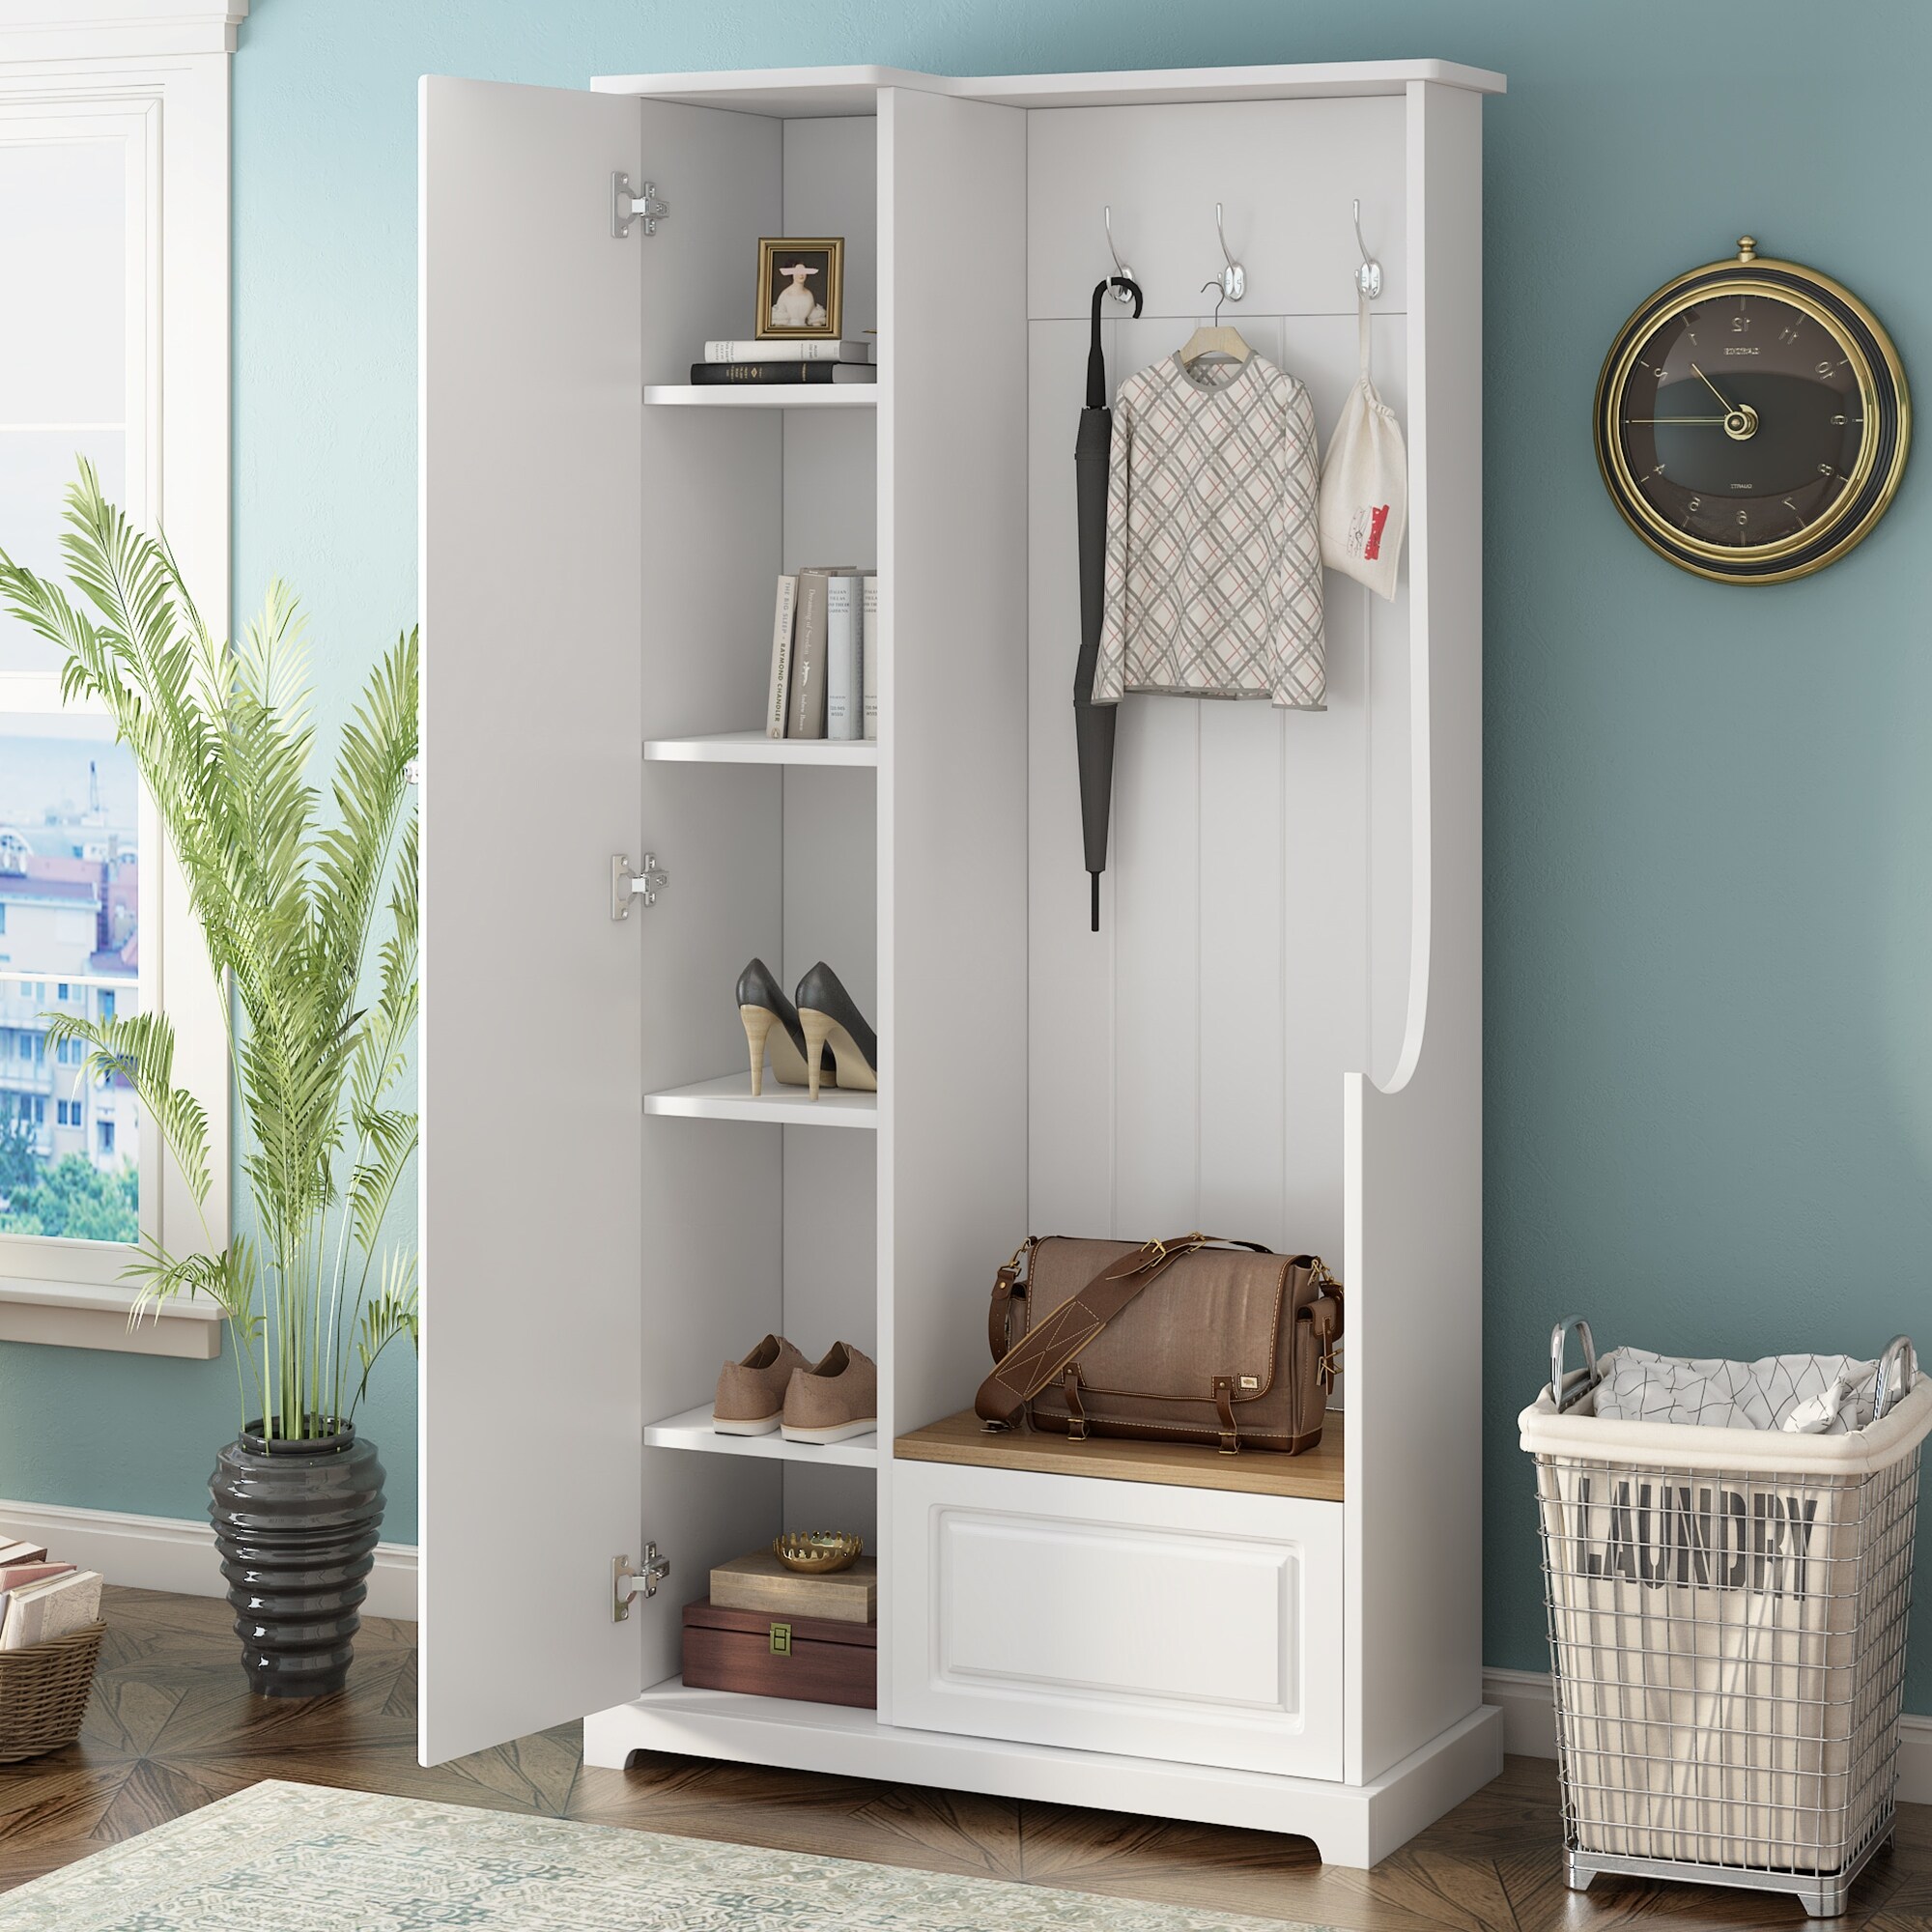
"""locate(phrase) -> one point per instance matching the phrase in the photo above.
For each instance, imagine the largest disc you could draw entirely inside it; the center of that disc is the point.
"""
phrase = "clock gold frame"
(1666, 538)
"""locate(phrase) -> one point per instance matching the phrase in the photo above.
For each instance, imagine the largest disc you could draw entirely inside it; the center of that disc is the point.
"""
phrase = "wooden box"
(815, 1659)
(761, 1583)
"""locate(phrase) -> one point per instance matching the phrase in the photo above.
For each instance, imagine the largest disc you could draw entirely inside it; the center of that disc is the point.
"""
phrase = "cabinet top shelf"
(762, 396)
(802, 92)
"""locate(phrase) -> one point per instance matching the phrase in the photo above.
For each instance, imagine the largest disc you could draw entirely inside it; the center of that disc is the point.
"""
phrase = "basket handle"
(1585, 1378)
(1897, 1371)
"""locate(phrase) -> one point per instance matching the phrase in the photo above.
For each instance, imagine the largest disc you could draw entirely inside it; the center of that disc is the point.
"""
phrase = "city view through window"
(69, 943)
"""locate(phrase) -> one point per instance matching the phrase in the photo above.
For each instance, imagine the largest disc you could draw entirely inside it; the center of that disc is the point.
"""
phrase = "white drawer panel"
(1195, 1625)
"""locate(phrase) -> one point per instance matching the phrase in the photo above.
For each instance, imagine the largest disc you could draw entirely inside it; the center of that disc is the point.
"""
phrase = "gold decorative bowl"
(818, 1552)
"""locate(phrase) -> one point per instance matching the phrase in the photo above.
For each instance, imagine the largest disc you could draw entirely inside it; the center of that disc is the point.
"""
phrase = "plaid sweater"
(1214, 580)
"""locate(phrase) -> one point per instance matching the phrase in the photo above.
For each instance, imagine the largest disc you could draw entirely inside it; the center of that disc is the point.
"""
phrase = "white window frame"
(159, 74)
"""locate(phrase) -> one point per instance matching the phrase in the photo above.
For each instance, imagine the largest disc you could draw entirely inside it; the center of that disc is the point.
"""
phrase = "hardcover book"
(845, 695)
(779, 701)
(709, 374)
(806, 718)
(868, 653)
(788, 351)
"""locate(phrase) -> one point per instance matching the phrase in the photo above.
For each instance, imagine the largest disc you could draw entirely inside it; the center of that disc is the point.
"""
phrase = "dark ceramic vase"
(296, 1524)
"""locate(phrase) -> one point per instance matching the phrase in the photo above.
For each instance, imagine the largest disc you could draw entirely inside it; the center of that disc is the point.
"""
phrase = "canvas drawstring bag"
(1365, 483)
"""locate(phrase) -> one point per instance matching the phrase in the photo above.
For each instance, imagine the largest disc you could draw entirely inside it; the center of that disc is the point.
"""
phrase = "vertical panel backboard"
(530, 1407)
(953, 730)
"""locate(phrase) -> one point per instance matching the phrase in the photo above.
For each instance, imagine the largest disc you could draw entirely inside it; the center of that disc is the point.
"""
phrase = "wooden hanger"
(1217, 341)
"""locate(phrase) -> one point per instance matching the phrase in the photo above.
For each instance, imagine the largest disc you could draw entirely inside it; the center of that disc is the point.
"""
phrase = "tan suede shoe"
(750, 1394)
(837, 1399)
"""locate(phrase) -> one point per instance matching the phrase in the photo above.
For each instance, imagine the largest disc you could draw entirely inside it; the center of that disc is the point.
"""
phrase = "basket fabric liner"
(1727, 1620)
(1813, 1395)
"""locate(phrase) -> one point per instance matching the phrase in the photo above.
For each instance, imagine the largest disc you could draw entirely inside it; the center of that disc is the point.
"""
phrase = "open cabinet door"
(531, 1402)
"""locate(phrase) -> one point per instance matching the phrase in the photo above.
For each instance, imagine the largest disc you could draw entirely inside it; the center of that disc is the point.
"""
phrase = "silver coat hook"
(1234, 277)
(1119, 267)
(1368, 276)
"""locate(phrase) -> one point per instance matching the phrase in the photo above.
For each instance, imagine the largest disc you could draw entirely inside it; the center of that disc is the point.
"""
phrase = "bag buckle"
(1076, 1412)
(1327, 1369)
(1224, 1408)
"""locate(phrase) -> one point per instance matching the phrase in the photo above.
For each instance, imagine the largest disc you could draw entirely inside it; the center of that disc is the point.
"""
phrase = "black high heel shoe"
(761, 1000)
(833, 1024)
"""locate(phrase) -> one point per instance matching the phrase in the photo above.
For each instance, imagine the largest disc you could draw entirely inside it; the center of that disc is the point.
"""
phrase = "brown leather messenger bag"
(1235, 1349)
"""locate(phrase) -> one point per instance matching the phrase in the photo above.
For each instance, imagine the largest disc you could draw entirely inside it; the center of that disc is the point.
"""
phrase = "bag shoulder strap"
(1043, 1353)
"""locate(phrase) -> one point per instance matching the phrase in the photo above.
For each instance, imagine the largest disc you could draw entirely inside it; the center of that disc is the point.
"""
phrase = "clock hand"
(1740, 424)
(1729, 410)
(1676, 419)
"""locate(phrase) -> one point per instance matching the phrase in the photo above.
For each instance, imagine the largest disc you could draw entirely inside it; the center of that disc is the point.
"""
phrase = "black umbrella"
(1094, 724)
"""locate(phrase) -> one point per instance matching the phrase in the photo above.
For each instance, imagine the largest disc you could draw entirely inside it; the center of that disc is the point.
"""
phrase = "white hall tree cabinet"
(1277, 1033)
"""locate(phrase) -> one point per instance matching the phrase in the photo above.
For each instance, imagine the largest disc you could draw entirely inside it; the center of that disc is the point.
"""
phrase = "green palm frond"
(392, 1313)
(392, 1139)
(228, 1279)
(288, 887)
(140, 1048)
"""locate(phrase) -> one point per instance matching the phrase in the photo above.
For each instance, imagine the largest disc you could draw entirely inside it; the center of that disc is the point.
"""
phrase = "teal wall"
(1709, 1115)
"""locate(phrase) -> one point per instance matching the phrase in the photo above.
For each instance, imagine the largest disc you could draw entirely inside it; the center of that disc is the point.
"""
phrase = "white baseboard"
(1529, 1728)
(166, 1553)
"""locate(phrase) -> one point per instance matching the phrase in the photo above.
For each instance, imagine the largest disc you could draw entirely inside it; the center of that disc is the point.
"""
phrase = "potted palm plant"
(309, 918)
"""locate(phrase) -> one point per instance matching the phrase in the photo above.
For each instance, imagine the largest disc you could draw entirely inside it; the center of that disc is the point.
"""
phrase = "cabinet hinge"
(642, 884)
(627, 1585)
(627, 207)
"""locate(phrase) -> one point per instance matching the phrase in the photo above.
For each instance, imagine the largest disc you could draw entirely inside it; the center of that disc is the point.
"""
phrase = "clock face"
(1751, 421)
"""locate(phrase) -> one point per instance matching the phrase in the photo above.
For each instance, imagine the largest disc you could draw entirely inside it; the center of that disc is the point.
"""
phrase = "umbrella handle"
(1096, 367)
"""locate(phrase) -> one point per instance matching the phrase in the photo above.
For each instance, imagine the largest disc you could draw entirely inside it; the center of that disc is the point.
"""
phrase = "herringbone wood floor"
(172, 1727)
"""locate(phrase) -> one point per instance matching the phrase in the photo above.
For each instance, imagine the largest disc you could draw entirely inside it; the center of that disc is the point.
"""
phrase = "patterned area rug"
(294, 1857)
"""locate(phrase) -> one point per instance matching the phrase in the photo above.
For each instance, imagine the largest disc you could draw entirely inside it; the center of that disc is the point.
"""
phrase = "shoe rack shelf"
(756, 396)
(755, 748)
(692, 1429)
(729, 1097)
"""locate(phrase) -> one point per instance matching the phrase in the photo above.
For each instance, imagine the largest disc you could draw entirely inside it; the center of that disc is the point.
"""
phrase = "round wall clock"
(1752, 420)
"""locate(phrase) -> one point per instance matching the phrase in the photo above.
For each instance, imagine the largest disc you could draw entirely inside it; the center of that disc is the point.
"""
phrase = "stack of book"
(825, 681)
(39, 1600)
(818, 361)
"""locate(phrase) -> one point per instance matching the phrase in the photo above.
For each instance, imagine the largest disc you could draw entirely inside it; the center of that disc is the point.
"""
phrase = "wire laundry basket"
(1728, 1617)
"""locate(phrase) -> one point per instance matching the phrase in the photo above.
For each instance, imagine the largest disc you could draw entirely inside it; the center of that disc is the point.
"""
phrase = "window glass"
(69, 881)
(36, 467)
(63, 344)
(63, 231)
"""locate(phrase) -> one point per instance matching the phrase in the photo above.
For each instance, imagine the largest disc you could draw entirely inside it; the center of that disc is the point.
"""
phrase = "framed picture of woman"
(801, 288)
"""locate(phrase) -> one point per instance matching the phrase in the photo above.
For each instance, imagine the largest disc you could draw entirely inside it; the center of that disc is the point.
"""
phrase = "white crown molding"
(67, 30)
(1529, 1728)
(166, 1553)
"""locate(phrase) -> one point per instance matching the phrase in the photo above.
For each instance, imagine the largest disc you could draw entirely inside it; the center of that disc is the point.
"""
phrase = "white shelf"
(755, 748)
(692, 1429)
(729, 1098)
(763, 395)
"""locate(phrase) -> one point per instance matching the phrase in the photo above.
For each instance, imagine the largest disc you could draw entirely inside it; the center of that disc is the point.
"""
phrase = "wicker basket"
(43, 1692)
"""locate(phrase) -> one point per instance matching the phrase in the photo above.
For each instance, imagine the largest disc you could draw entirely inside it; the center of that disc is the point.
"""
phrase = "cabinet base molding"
(1355, 1825)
